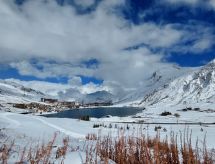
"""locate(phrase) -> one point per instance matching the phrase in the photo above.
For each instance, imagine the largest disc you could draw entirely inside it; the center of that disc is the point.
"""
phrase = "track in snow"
(12, 123)
(67, 132)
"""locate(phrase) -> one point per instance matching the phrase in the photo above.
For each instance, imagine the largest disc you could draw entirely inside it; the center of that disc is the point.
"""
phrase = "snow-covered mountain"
(169, 85)
(73, 94)
(99, 96)
(16, 91)
(157, 80)
(68, 92)
(195, 87)
(11, 92)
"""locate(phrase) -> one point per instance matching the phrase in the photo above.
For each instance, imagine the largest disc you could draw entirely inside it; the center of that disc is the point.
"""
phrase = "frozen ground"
(27, 129)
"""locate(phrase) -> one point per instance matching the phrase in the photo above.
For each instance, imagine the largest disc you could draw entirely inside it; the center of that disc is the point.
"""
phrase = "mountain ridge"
(170, 85)
(196, 87)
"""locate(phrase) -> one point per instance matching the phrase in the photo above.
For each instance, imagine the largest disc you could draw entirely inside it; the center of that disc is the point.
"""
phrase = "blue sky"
(177, 13)
(7, 72)
(100, 41)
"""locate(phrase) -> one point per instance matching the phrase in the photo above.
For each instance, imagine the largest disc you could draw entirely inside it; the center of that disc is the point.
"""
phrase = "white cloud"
(75, 81)
(51, 69)
(84, 3)
(202, 45)
(197, 39)
(212, 3)
(49, 32)
(209, 4)
(58, 90)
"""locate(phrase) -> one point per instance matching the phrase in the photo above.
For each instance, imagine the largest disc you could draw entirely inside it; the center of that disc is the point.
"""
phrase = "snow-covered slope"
(158, 79)
(192, 88)
(63, 92)
(11, 92)
(74, 94)
(168, 85)
(99, 96)
(66, 92)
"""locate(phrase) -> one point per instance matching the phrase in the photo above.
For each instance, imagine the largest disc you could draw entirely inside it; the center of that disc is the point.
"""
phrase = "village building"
(48, 100)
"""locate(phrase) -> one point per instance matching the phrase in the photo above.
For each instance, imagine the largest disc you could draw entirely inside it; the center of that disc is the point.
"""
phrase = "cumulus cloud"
(51, 31)
(212, 3)
(62, 90)
(85, 3)
(75, 81)
(202, 45)
(198, 38)
(60, 40)
(47, 69)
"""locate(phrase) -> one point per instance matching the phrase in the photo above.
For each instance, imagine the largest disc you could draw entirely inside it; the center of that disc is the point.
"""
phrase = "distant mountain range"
(171, 85)
(13, 91)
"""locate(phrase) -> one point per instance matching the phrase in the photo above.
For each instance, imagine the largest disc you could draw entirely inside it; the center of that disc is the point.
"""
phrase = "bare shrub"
(141, 149)
(61, 151)
(43, 153)
(5, 151)
(91, 137)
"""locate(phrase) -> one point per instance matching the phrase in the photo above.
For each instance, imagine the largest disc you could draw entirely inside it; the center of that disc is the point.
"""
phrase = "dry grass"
(41, 154)
(122, 149)
(5, 151)
(145, 150)
(91, 137)
(61, 151)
